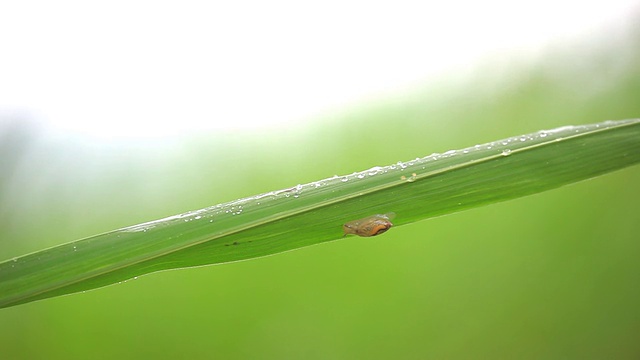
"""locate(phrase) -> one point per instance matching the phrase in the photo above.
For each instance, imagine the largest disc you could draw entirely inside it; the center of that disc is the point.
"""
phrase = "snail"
(369, 226)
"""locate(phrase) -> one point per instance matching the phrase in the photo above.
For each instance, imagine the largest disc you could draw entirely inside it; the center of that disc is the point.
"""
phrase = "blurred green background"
(554, 275)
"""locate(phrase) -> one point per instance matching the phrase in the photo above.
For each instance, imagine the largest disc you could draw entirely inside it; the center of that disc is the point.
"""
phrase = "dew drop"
(506, 152)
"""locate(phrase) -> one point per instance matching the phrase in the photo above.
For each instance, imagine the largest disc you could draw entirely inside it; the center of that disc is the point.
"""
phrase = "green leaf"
(314, 213)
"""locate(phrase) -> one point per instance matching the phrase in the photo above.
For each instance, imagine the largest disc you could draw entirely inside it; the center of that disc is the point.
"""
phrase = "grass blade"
(314, 213)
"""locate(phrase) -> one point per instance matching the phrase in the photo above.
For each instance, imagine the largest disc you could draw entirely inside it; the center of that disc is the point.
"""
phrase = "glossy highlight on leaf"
(314, 213)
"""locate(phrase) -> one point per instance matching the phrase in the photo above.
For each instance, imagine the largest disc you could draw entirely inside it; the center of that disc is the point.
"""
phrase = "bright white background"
(158, 68)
